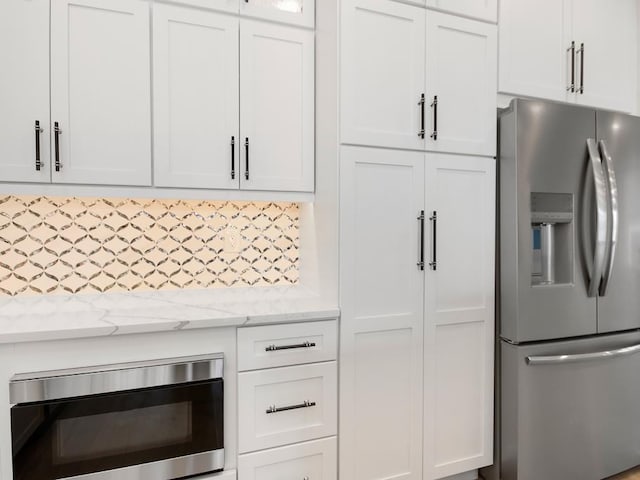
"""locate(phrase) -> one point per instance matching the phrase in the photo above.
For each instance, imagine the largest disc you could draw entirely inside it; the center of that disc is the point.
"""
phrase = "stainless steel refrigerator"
(569, 269)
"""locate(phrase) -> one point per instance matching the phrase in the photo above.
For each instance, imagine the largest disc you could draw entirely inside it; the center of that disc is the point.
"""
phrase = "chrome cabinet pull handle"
(581, 89)
(572, 49)
(275, 348)
(57, 133)
(602, 218)
(421, 104)
(433, 264)
(421, 260)
(610, 177)
(233, 158)
(38, 130)
(305, 404)
(434, 105)
(246, 158)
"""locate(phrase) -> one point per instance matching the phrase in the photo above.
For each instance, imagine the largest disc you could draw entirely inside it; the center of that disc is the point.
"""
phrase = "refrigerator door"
(545, 173)
(570, 410)
(619, 308)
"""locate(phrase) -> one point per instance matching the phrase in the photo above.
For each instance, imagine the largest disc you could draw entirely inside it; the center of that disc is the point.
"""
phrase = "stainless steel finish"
(614, 215)
(178, 467)
(58, 384)
(305, 404)
(275, 348)
(572, 86)
(582, 357)
(548, 254)
(570, 420)
(602, 217)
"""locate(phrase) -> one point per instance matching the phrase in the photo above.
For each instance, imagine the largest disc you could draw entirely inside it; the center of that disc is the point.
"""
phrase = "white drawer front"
(312, 460)
(286, 389)
(291, 344)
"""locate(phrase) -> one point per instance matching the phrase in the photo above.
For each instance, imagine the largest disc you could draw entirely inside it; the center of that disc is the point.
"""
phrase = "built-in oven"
(156, 420)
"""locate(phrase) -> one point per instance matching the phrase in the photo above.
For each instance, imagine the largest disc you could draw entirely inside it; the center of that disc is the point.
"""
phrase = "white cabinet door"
(100, 91)
(277, 107)
(534, 38)
(461, 85)
(298, 12)
(382, 195)
(459, 314)
(24, 90)
(608, 32)
(231, 6)
(482, 9)
(382, 79)
(195, 98)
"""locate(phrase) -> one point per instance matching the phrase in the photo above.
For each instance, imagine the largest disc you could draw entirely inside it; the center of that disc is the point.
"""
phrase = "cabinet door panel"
(277, 107)
(196, 104)
(24, 90)
(608, 32)
(461, 73)
(483, 9)
(231, 6)
(100, 89)
(298, 12)
(532, 63)
(382, 194)
(382, 73)
(459, 315)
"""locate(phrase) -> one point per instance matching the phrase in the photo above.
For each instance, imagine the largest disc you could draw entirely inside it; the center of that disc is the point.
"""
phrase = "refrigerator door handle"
(614, 212)
(602, 214)
(581, 357)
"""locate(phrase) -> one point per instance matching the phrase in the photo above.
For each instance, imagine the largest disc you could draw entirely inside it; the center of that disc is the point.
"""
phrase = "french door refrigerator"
(569, 292)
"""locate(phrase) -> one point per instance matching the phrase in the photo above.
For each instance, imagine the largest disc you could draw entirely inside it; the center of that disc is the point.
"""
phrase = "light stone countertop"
(55, 317)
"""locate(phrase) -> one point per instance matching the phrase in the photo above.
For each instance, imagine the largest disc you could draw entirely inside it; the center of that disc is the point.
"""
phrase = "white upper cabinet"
(582, 51)
(382, 73)
(461, 84)
(277, 107)
(482, 9)
(459, 314)
(606, 58)
(298, 12)
(195, 98)
(24, 91)
(100, 92)
(231, 6)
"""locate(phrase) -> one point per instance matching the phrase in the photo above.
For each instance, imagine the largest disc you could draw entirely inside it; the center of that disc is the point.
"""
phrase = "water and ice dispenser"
(552, 238)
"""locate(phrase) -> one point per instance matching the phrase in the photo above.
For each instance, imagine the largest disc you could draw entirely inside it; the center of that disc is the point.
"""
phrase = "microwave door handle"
(581, 357)
(602, 214)
(614, 212)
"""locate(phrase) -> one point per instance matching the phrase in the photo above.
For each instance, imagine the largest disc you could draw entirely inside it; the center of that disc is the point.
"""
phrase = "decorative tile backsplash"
(78, 245)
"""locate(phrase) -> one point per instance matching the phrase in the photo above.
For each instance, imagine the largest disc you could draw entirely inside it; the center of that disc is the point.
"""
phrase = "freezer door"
(545, 174)
(619, 308)
(570, 418)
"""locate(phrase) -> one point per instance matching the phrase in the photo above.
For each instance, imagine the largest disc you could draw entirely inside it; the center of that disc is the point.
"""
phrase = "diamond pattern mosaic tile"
(75, 245)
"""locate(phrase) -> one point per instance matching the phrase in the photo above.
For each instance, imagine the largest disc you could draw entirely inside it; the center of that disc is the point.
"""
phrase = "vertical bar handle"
(434, 105)
(246, 158)
(602, 218)
(433, 264)
(572, 49)
(421, 220)
(610, 177)
(38, 131)
(421, 103)
(233, 158)
(581, 89)
(57, 133)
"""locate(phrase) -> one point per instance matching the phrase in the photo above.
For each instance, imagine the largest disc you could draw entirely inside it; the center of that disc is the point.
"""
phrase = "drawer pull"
(275, 348)
(306, 404)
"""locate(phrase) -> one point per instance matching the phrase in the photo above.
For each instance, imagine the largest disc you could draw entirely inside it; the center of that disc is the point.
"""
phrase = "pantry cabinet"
(231, 6)
(100, 92)
(299, 12)
(587, 55)
(482, 9)
(417, 311)
(24, 91)
(195, 98)
(277, 99)
(417, 79)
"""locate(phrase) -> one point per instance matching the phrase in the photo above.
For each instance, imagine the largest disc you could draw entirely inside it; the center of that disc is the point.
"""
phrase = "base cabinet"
(417, 314)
